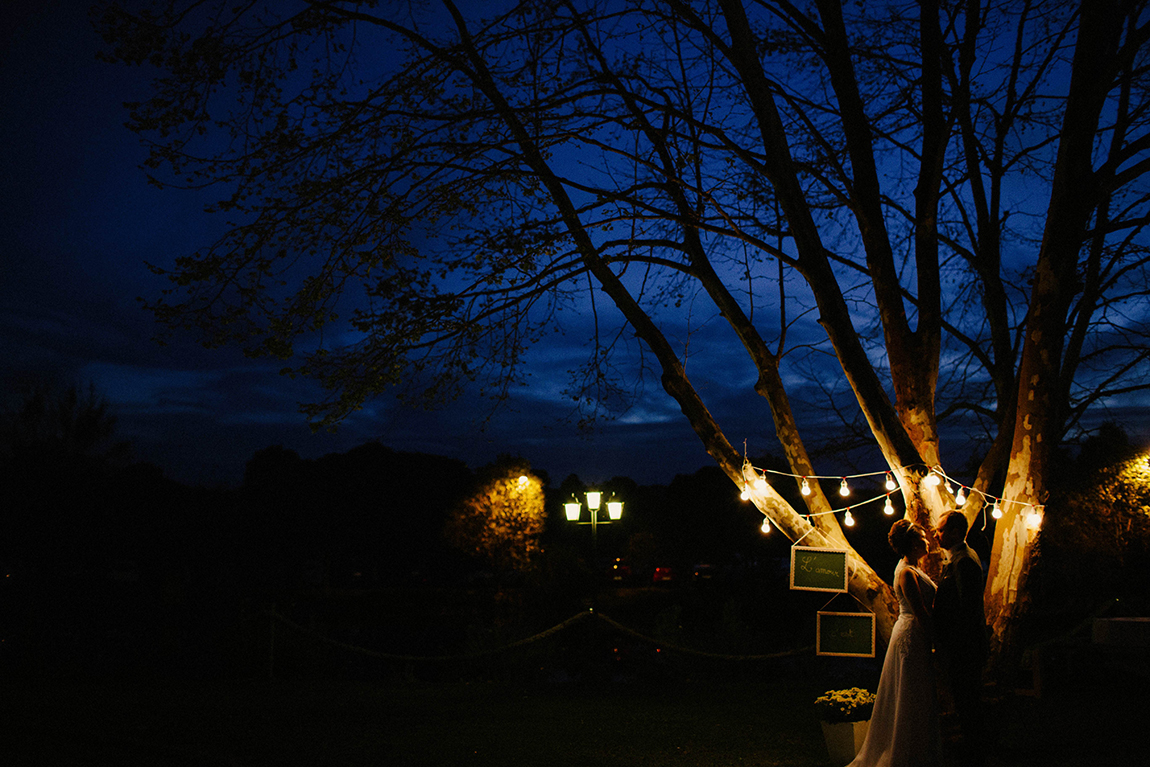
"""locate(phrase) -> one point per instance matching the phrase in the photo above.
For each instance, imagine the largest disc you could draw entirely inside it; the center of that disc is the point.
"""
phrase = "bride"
(904, 724)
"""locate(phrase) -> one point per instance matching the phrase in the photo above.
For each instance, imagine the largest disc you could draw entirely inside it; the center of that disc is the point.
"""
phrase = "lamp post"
(574, 510)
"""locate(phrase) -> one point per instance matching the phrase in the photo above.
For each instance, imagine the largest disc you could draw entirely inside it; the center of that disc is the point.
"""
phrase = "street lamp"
(614, 508)
(574, 509)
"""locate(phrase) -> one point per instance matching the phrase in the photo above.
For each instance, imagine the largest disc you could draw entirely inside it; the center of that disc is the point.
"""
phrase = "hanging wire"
(964, 491)
(823, 476)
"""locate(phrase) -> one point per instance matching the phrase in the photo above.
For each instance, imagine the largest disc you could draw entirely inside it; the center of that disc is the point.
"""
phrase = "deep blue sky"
(79, 222)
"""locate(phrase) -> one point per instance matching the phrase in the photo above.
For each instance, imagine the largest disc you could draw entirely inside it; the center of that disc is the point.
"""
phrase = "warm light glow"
(960, 498)
(572, 510)
(933, 479)
(615, 509)
(890, 483)
(766, 526)
(888, 507)
(761, 484)
(1034, 519)
(1136, 472)
(594, 498)
(996, 512)
(746, 494)
(523, 480)
(848, 520)
(806, 488)
(844, 491)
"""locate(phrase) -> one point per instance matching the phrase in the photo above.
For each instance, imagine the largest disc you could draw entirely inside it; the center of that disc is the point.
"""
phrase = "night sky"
(80, 222)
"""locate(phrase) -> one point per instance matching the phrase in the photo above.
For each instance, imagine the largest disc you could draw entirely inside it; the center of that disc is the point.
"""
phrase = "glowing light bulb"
(761, 484)
(848, 520)
(844, 491)
(949, 489)
(890, 484)
(933, 479)
(746, 494)
(996, 512)
(1034, 519)
(523, 480)
(766, 526)
(888, 507)
(960, 498)
(806, 488)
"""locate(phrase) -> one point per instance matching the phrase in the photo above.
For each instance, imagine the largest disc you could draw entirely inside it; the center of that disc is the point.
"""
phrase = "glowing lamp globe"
(594, 499)
(615, 509)
(572, 510)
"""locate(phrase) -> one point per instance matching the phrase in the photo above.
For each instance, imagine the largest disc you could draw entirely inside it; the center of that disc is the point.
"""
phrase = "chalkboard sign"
(814, 569)
(847, 634)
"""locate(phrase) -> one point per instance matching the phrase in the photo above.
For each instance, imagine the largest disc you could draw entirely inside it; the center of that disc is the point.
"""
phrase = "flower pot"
(844, 739)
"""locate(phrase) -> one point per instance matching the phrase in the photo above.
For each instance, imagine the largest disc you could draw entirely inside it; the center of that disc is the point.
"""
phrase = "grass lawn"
(698, 723)
(702, 722)
(559, 703)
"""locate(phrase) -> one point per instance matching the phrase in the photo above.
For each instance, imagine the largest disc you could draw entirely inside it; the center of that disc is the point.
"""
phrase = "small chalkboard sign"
(846, 634)
(814, 569)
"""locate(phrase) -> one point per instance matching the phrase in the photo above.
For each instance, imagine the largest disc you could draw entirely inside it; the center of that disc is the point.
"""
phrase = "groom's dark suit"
(960, 630)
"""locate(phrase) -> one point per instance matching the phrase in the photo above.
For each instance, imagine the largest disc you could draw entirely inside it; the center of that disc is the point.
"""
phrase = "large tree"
(953, 191)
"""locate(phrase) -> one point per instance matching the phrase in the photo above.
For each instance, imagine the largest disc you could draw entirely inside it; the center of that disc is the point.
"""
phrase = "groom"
(960, 631)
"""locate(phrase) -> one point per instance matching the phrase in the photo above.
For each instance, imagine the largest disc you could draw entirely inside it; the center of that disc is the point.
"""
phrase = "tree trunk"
(1039, 416)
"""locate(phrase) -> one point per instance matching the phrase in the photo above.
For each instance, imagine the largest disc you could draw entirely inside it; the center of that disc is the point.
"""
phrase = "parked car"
(620, 570)
(663, 575)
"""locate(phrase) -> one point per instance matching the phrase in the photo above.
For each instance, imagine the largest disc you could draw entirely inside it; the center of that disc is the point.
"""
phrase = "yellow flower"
(853, 704)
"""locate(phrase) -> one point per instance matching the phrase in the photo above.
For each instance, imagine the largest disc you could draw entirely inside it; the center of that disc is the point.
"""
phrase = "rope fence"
(557, 628)
(701, 653)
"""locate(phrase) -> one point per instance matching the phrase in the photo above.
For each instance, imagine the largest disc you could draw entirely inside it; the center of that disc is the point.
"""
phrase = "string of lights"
(935, 476)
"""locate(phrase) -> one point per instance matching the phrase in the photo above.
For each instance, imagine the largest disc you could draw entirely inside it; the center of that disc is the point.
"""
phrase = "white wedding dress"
(904, 725)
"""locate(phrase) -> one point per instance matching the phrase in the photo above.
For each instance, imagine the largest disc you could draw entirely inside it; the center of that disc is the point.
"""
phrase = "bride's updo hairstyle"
(902, 536)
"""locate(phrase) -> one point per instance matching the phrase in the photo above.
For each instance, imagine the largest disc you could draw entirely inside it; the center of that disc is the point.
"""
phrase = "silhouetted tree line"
(108, 565)
(366, 517)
